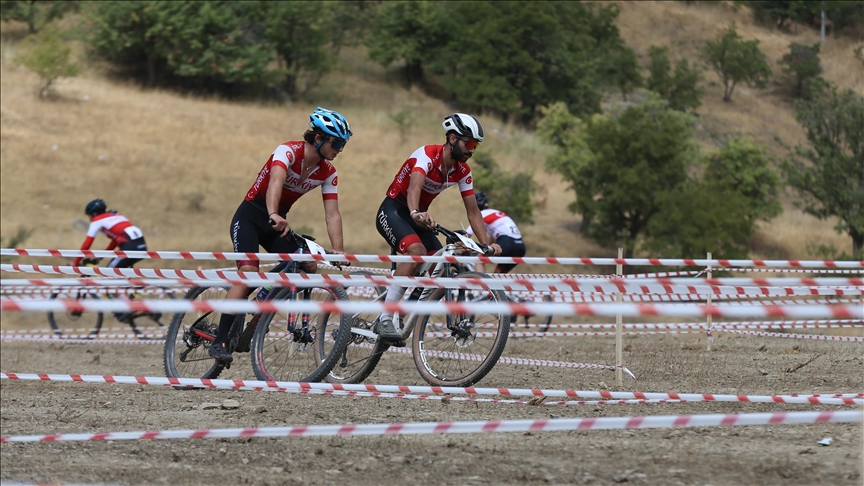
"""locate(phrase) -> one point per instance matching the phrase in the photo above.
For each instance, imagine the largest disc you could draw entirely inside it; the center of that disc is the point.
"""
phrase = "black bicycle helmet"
(96, 206)
(482, 199)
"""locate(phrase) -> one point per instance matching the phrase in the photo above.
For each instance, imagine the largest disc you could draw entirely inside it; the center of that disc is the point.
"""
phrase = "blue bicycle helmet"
(96, 206)
(331, 123)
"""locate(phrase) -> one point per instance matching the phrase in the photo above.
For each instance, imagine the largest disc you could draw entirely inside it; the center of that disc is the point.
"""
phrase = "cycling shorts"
(138, 244)
(395, 225)
(251, 228)
(509, 247)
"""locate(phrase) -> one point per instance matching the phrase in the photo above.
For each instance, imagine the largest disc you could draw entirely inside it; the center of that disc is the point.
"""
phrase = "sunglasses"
(470, 143)
(337, 143)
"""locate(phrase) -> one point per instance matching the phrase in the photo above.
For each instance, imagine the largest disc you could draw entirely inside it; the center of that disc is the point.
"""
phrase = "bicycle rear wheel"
(363, 352)
(185, 354)
(460, 349)
(73, 323)
(533, 322)
(284, 350)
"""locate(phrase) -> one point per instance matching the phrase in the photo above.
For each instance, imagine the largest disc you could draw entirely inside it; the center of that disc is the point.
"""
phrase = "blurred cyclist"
(503, 229)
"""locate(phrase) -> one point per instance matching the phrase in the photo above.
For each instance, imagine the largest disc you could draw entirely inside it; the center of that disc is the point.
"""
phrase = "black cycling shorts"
(509, 247)
(251, 228)
(138, 244)
(395, 225)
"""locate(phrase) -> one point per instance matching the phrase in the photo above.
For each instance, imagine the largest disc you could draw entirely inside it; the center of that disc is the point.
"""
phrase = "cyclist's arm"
(278, 174)
(475, 218)
(333, 218)
(415, 187)
(88, 242)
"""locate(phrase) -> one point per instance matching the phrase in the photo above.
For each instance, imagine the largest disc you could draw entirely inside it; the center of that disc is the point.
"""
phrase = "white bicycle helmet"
(464, 125)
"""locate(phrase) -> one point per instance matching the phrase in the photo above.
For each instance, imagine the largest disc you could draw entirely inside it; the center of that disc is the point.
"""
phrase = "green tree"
(737, 61)
(696, 218)
(621, 68)
(628, 158)
(307, 38)
(830, 175)
(35, 14)
(510, 58)
(572, 157)
(46, 55)
(802, 64)
(681, 87)
(511, 193)
(410, 32)
(741, 167)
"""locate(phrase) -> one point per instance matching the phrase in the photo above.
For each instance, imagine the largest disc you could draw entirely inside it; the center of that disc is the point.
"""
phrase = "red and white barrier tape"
(542, 425)
(816, 337)
(259, 278)
(813, 399)
(200, 255)
(516, 286)
(792, 270)
(425, 308)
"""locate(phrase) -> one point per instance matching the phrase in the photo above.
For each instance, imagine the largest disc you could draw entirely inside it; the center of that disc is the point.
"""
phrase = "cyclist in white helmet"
(293, 169)
(504, 230)
(403, 219)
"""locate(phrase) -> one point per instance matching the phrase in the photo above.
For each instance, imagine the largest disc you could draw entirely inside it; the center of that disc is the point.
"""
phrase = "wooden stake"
(619, 352)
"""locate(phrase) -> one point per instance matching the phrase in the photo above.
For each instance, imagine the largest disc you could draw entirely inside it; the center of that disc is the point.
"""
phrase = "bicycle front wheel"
(364, 349)
(189, 337)
(73, 323)
(460, 349)
(296, 346)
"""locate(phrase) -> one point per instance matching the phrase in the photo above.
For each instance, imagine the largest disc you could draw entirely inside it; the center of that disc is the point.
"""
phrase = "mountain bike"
(530, 322)
(285, 346)
(449, 349)
(66, 323)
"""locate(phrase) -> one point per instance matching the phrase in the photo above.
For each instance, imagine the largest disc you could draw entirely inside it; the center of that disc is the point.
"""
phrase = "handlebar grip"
(487, 249)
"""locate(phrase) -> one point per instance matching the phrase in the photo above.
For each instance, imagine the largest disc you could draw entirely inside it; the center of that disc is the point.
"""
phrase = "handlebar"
(452, 238)
(300, 239)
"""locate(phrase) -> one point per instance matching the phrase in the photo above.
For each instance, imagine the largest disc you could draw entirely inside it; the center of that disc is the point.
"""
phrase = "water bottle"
(263, 293)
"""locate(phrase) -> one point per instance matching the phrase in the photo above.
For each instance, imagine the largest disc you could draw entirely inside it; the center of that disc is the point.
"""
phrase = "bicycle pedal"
(396, 344)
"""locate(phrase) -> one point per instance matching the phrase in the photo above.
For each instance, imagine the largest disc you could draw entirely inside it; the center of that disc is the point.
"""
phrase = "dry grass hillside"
(178, 166)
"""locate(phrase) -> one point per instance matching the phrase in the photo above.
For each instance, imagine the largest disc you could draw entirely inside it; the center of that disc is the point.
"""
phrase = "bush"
(46, 55)
(737, 61)
(681, 88)
(802, 64)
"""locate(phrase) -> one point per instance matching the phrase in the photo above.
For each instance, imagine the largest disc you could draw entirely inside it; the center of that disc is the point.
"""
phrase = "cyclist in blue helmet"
(293, 169)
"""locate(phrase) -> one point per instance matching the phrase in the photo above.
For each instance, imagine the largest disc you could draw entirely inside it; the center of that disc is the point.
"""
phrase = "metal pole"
(822, 28)
(619, 352)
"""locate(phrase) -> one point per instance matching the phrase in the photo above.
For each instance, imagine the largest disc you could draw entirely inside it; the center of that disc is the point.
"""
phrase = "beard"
(458, 154)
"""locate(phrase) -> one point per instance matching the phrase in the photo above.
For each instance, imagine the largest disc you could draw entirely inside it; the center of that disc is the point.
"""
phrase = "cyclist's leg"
(249, 228)
(394, 224)
(137, 244)
(509, 247)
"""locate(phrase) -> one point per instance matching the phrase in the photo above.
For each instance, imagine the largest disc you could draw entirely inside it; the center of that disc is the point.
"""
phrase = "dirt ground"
(782, 454)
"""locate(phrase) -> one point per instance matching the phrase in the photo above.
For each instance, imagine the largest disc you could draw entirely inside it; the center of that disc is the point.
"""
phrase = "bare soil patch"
(716, 455)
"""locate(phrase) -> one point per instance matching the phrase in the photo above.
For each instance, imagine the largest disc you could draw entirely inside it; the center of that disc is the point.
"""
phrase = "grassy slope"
(153, 154)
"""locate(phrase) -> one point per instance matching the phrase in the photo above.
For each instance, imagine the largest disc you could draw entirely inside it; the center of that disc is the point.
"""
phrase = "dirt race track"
(777, 454)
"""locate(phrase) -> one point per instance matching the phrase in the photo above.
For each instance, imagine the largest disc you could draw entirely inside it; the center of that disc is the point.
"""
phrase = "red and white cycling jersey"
(498, 224)
(290, 157)
(428, 160)
(115, 226)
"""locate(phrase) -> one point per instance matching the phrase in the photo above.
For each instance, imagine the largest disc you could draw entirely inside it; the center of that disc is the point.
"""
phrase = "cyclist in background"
(503, 229)
(117, 228)
(122, 233)
(403, 218)
(292, 170)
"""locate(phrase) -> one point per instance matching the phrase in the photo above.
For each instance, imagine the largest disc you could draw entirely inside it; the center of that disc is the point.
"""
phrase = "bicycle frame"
(407, 325)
